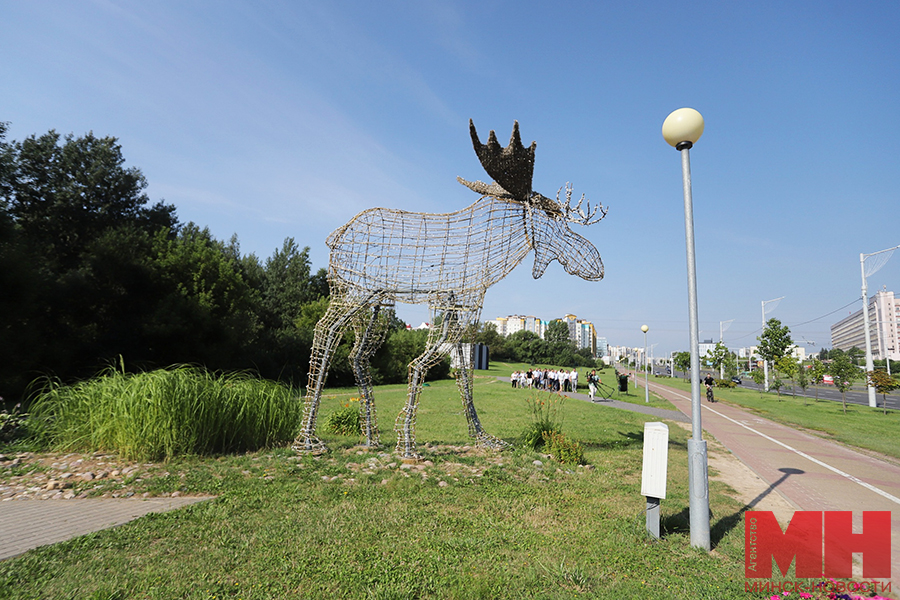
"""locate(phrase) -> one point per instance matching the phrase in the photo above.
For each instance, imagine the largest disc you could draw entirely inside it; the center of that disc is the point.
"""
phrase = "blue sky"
(273, 119)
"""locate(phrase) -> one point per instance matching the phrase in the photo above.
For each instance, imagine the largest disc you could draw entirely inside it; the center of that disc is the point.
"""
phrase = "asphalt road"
(858, 395)
(829, 392)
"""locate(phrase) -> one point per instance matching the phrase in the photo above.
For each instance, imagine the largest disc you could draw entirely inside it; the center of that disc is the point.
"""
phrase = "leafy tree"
(803, 380)
(731, 365)
(65, 194)
(525, 346)
(856, 355)
(682, 362)
(774, 341)
(834, 353)
(557, 332)
(817, 374)
(758, 378)
(716, 356)
(284, 284)
(883, 384)
(7, 167)
(391, 363)
(207, 312)
(844, 373)
(489, 336)
(788, 366)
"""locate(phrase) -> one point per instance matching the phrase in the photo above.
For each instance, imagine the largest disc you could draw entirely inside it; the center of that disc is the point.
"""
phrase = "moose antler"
(569, 213)
(512, 167)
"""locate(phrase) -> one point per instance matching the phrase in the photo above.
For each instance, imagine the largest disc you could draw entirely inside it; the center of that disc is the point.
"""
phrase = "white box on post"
(653, 474)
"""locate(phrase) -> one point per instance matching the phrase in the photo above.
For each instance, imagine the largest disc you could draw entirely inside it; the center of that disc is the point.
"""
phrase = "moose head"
(546, 221)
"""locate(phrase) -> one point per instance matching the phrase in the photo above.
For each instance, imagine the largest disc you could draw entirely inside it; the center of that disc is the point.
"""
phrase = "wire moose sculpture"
(447, 261)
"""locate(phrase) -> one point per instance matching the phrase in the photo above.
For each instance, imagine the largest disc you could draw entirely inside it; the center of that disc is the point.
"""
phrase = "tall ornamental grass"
(166, 413)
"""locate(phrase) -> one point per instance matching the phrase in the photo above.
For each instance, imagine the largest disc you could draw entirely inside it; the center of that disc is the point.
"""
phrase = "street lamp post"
(645, 329)
(682, 129)
(883, 256)
(723, 325)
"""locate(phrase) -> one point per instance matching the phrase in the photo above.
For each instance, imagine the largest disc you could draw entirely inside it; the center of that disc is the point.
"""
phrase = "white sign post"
(653, 476)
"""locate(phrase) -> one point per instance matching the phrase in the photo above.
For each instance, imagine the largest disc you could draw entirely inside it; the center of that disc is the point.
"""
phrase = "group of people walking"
(551, 380)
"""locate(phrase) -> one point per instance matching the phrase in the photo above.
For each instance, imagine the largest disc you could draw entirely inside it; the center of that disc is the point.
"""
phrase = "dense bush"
(344, 421)
(165, 413)
(563, 450)
(13, 424)
(546, 417)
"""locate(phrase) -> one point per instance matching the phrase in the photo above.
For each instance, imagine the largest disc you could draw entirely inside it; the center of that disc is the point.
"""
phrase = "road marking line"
(868, 486)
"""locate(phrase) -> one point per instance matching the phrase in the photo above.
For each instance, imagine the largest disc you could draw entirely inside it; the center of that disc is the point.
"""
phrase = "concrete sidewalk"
(28, 524)
(812, 473)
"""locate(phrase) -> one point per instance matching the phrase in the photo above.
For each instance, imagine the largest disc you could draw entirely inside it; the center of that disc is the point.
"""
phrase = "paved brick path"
(27, 524)
(810, 472)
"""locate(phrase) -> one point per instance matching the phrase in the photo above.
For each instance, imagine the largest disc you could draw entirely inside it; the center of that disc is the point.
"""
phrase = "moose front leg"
(464, 382)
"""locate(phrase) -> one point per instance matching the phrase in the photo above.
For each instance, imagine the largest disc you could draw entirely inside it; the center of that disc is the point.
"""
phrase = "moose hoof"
(488, 441)
(309, 445)
(408, 454)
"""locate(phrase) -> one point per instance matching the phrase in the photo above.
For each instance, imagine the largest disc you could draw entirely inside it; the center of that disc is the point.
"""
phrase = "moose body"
(447, 261)
(449, 250)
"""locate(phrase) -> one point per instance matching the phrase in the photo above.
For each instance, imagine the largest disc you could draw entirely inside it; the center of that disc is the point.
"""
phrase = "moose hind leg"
(464, 383)
(405, 425)
(370, 335)
(328, 334)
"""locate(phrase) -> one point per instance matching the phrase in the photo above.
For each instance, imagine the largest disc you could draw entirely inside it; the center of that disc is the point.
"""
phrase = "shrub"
(12, 425)
(564, 450)
(344, 421)
(165, 413)
(725, 383)
(545, 417)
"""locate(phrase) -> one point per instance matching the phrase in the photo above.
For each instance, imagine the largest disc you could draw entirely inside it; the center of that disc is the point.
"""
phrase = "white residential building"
(507, 326)
(580, 331)
(884, 317)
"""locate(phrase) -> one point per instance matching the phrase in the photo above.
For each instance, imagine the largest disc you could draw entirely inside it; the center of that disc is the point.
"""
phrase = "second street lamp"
(645, 329)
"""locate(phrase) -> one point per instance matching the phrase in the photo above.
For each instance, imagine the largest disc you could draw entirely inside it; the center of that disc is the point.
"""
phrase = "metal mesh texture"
(447, 261)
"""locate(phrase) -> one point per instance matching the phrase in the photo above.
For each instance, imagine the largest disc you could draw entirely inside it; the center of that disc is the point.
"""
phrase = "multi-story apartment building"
(884, 316)
(580, 331)
(507, 326)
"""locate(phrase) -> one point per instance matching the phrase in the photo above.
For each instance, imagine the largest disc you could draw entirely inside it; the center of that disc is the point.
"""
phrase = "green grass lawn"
(359, 524)
(864, 427)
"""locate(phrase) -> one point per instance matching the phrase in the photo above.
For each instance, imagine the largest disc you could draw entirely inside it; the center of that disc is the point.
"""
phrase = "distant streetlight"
(883, 257)
(645, 329)
(723, 325)
(682, 129)
(765, 362)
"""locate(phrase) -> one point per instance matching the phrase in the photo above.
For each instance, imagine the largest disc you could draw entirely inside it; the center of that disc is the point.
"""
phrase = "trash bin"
(623, 383)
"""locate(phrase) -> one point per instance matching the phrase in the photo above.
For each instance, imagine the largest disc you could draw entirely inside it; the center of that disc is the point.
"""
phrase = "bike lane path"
(812, 473)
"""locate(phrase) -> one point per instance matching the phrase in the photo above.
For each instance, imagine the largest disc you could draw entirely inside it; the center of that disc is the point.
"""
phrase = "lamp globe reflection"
(683, 127)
